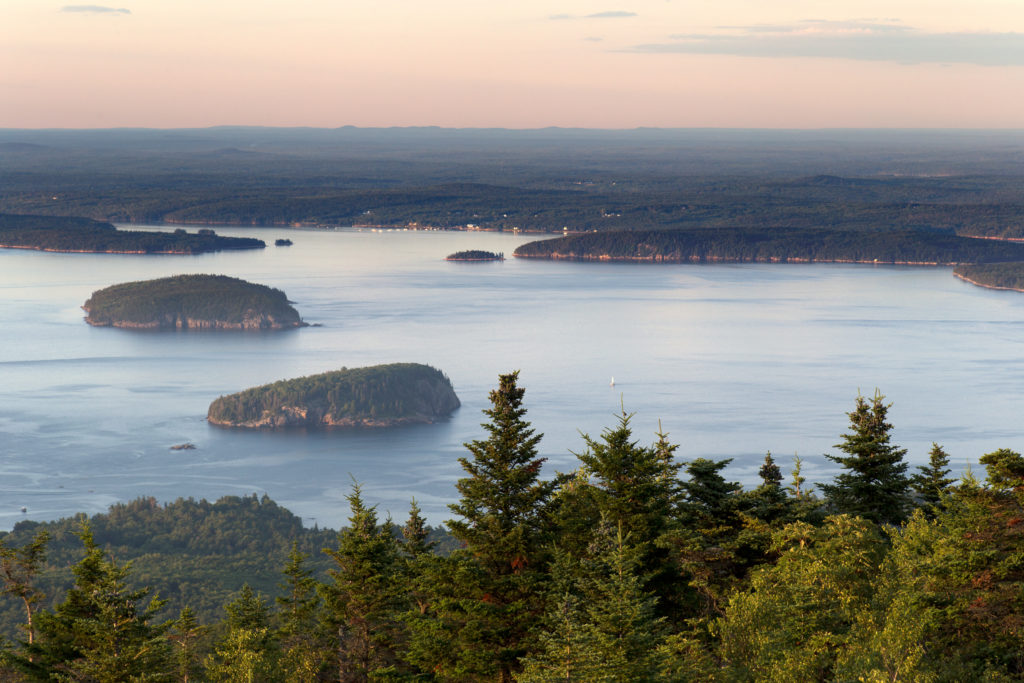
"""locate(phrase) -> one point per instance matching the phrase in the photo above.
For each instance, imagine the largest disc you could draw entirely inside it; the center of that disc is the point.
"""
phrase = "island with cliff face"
(376, 396)
(73, 234)
(191, 302)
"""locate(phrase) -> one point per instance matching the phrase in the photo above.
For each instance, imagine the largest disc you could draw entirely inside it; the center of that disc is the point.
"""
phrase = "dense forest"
(475, 255)
(543, 180)
(995, 275)
(381, 395)
(780, 245)
(62, 233)
(191, 301)
(637, 566)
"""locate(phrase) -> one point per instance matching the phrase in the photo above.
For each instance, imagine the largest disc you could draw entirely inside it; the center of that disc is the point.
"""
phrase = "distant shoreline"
(981, 284)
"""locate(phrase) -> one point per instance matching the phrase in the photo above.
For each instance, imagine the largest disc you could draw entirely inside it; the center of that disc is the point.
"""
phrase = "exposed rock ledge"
(259, 322)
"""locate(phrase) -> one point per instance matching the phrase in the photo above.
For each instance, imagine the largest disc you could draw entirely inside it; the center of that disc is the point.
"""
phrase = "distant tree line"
(59, 233)
(637, 566)
(776, 245)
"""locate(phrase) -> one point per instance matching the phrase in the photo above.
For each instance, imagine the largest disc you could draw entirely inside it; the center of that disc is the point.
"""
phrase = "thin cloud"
(856, 40)
(614, 14)
(95, 9)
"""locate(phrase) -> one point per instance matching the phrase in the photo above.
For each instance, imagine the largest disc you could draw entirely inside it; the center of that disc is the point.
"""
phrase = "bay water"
(731, 361)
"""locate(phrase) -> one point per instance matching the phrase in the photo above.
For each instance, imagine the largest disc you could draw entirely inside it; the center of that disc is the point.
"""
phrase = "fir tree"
(19, 568)
(302, 655)
(875, 485)
(631, 486)
(101, 631)
(185, 638)
(932, 480)
(603, 625)
(415, 533)
(248, 651)
(501, 522)
(365, 597)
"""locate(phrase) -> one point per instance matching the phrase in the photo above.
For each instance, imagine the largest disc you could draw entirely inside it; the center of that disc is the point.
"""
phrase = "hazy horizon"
(905, 64)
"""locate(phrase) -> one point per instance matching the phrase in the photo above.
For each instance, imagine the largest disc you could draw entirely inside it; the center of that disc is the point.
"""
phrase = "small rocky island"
(475, 255)
(192, 302)
(376, 396)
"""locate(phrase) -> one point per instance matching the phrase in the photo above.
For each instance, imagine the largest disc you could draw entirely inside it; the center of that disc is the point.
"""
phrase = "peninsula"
(376, 396)
(475, 255)
(192, 301)
(71, 234)
(776, 245)
(993, 275)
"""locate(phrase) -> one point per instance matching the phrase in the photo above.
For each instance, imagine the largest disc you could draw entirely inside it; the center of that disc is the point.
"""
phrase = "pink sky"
(729, 63)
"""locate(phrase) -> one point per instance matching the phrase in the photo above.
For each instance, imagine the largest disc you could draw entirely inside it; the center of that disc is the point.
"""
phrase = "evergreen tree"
(365, 597)
(629, 484)
(769, 502)
(248, 651)
(933, 481)
(603, 625)
(875, 485)
(501, 522)
(19, 568)
(1005, 469)
(415, 534)
(101, 631)
(302, 655)
(706, 540)
(185, 637)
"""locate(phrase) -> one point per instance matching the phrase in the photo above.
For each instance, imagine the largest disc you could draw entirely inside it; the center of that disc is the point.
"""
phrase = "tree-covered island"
(475, 255)
(776, 245)
(377, 396)
(191, 301)
(71, 234)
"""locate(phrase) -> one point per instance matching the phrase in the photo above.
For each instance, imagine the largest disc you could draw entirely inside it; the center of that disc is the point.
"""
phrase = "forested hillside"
(542, 180)
(637, 566)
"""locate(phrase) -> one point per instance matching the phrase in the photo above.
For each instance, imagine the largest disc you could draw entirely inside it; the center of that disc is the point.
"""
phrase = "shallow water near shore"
(733, 360)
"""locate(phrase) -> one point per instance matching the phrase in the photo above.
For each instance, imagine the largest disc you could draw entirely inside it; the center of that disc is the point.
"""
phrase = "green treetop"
(502, 525)
(875, 485)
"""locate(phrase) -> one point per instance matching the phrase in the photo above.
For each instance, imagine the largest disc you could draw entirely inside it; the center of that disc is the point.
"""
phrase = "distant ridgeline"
(377, 396)
(475, 255)
(993, 275)
(61, 233)
(776, 245)
(191, 301)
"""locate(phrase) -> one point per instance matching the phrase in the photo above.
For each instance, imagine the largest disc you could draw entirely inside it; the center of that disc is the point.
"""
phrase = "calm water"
(734, 360)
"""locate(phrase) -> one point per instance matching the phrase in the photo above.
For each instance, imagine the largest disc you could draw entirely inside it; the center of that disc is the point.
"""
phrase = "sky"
(522, 64)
